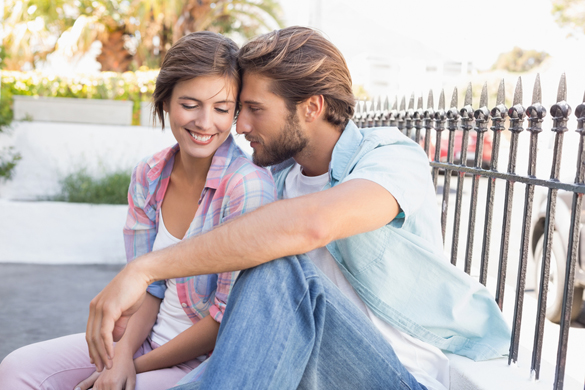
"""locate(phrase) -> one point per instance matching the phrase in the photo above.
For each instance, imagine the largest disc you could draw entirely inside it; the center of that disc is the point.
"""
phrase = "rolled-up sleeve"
(140, 227)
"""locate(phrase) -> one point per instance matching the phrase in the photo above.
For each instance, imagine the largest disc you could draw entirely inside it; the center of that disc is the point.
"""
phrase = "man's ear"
(313, 108)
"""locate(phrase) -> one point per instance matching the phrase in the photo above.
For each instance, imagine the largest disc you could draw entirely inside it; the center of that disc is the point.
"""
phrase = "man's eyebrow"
(252, 102)
(199, 101)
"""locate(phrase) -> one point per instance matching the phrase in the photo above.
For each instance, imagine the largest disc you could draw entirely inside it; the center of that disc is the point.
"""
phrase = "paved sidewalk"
(40, 302)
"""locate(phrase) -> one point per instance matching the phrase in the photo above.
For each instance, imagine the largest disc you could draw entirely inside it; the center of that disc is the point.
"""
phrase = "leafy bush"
(135, 86)
(80, 187)
(8, 158)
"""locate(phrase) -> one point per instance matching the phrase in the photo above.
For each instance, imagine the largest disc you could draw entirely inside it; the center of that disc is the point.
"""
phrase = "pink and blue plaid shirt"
(234, 186)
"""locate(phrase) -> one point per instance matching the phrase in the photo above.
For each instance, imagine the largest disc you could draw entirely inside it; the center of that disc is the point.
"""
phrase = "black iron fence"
(539, 238)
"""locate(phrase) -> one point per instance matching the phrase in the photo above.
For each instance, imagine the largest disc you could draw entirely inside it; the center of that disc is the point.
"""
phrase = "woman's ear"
(313, 107)
(166, 106)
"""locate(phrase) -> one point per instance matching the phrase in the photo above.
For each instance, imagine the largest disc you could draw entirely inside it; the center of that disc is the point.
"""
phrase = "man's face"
(275, 133)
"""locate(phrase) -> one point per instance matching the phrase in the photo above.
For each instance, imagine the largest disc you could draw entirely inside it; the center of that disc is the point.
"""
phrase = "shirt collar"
(221, 160)
(345, 149)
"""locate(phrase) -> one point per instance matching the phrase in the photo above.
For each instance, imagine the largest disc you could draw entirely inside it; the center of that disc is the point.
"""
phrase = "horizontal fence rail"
(427, 126)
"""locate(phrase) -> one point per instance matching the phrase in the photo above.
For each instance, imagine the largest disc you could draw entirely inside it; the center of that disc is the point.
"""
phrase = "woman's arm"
(195, 341)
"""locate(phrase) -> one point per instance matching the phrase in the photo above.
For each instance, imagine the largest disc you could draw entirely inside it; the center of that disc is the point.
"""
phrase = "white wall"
(33, 231)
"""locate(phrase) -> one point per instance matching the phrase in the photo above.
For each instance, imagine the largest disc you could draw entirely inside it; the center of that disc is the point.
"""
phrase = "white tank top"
(171, 319)
(425, 362)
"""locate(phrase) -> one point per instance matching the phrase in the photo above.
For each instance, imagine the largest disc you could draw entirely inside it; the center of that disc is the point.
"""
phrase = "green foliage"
(8, 160)
(81, 187)
(570, 13)
(8, 157)
(132, 32)
(519, 60)
(135, 86)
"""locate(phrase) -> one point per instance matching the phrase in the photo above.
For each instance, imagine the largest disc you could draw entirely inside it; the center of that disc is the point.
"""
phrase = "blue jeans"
(287, 326)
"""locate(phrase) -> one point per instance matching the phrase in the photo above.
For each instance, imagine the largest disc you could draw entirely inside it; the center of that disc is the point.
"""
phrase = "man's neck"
(315, 158)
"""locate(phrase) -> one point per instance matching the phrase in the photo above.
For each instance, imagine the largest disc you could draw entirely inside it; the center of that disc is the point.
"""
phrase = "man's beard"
(290, 142)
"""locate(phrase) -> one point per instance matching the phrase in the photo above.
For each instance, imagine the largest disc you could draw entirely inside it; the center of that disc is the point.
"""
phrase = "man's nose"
(243, 124)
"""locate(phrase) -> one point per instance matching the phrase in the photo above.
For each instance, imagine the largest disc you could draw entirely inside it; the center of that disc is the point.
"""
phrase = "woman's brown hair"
(301, 63)
(198, 54)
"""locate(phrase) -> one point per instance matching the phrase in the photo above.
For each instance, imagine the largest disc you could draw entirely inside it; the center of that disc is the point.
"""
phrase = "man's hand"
(110, 311)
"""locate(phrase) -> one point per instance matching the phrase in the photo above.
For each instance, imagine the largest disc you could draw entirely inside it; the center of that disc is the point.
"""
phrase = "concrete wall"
(72, 110)
(36, 231)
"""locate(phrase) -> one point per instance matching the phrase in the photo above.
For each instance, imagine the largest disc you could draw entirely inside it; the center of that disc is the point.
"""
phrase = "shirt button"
(184, 304)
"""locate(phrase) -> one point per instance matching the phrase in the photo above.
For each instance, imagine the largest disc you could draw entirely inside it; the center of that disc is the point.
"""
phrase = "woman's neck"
(192, 170)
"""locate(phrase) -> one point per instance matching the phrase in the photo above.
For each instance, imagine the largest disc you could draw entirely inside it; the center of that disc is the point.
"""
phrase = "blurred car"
(471, 147)
(558, 254)
(560, 238)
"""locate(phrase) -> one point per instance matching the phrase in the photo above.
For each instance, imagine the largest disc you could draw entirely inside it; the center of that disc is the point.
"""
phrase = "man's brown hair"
(197, 54)
(301, 63)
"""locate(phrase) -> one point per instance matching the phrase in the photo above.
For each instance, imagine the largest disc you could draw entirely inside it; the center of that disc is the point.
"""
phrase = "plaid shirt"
(234, 186)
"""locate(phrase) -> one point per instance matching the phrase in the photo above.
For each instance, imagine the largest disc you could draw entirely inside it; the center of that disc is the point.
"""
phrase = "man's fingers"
(88, 382)
(106, 344)
(93, 324)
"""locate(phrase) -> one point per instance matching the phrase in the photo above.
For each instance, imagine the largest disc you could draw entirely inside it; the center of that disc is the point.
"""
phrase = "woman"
(202, 181)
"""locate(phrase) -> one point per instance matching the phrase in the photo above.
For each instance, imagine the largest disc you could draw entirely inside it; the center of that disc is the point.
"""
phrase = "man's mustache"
(253, 139)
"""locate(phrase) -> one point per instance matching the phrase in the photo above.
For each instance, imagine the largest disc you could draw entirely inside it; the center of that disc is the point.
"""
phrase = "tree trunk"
(114, 56)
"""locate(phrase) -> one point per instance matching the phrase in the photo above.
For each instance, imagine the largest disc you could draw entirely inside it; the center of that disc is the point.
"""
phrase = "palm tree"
(136, 31)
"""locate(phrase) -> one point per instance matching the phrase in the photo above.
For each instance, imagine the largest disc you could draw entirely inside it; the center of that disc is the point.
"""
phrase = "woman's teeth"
(201, 138)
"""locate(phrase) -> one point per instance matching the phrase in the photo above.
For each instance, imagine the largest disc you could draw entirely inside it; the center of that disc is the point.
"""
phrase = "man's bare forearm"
(283, 228)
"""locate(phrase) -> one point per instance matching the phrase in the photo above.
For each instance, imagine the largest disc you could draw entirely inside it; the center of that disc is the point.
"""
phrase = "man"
(373, 301)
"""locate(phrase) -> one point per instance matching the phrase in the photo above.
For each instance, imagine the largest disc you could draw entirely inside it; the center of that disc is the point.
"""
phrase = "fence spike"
(453, 98)
(430, 103)
(379, 104)
(411, 102)
(501, 99)
(537, 92)
(395, 104)
(403, 103)
(468, 96)
(386, 104)
(518, 92)
(484, 96)
(562, 91)
(419, 104)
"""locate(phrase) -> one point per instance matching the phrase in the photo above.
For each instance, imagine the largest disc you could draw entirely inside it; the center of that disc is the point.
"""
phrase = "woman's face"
(201, 113)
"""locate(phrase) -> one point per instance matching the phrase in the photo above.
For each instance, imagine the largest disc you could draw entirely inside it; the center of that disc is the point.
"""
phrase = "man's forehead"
(256, 88)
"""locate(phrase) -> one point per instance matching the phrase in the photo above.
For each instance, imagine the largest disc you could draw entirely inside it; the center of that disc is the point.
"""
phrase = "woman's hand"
(121, 376)
(88, 382)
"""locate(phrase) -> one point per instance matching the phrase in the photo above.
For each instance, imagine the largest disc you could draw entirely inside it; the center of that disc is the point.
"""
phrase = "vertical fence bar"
(481, 116)
(393, 115)
(408, 117)
(418, 116)
(536, 112)
(401, 115)
(378, 113)
(466, 114)
(428, 116)
(385, 119)
(498, 115)
(516, 114)
(559, 127)
(452, 118)
(439, 127)
(560, 110)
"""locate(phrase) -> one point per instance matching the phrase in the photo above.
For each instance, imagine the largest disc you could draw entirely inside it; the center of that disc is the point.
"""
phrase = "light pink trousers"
(60, 364)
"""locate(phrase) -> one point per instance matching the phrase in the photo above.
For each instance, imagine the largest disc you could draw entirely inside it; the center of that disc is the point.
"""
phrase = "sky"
(476, 30)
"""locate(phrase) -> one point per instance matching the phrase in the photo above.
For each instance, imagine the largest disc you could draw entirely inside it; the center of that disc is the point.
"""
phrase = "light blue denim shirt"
(400, 270)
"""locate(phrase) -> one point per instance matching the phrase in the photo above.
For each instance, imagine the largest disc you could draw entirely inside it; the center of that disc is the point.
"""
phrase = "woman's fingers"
(88, 382)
